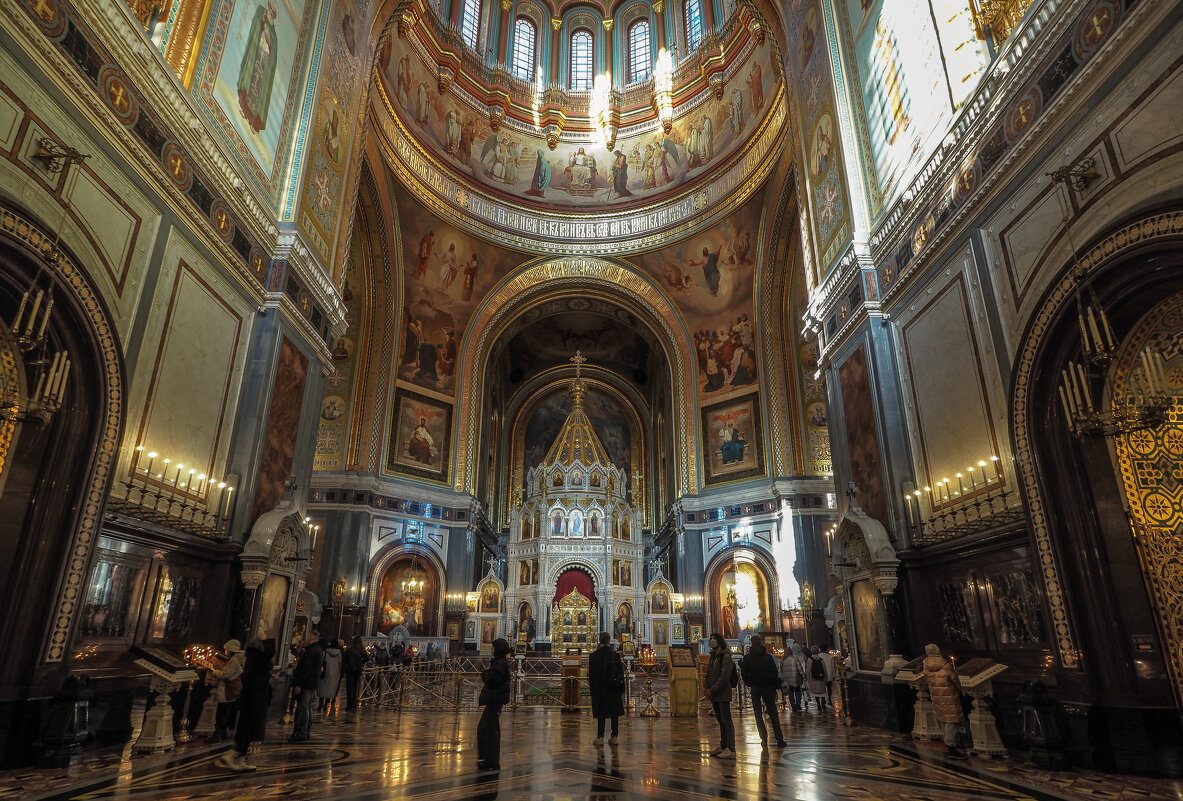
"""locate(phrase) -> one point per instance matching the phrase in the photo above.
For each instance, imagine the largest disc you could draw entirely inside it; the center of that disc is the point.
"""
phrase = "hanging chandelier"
(27, 328)
(1146, 402)
(413, 583)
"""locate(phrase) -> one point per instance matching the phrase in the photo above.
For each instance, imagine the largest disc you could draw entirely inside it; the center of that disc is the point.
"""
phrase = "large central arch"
(536, 283)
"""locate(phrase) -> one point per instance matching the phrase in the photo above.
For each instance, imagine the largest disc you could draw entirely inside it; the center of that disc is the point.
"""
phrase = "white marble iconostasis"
(484, 623)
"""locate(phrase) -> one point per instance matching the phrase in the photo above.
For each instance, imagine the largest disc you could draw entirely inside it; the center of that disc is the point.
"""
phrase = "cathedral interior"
(856, 323)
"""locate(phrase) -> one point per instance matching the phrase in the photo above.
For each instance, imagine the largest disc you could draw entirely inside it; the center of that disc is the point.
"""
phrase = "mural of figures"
(255, 68)
(419, 443)
(659, 603)
(449, 272)
(732, 428)
(490, 598)
(710, 277)
(740, 599)
(516, 164)
(415, 610)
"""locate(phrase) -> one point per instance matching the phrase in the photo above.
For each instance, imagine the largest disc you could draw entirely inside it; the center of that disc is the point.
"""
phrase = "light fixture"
(32, 317)
(1147, 401)
(413, 583)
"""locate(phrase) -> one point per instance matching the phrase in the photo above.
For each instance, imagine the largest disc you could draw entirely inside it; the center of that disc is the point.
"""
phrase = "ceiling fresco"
(602, 331)
(516, 163)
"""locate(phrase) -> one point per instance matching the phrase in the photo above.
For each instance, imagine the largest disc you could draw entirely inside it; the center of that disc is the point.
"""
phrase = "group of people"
(320, 666)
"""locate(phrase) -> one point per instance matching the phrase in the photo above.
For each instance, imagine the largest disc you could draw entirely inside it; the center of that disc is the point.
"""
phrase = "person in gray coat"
(721, 674)
(330, 677)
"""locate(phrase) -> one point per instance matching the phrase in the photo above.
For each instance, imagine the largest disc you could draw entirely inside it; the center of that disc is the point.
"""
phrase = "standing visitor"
(330, 677)
(944, 686)
(253, 703)
(227, 687)
(494, 695)
(792, 675)
(355, 662)
(605, 678)
(815, 677)
(305, 679)
(721, 677)
(761, 674)
(828, 661)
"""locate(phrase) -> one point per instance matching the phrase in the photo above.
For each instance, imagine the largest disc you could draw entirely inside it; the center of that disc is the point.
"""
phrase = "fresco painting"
(710, 276)
(255, 74)
(732, 433)
(421, 436)
(448, 272)
(548, 341)
(519, 163)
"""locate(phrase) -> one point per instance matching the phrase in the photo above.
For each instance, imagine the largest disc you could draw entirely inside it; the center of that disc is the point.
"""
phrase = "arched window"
(640, 54)
(470, 20)
(523, 49)
(693, 10)
(581, 61)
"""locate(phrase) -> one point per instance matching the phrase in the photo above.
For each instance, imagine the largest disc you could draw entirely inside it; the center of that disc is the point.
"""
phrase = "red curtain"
(575, 579)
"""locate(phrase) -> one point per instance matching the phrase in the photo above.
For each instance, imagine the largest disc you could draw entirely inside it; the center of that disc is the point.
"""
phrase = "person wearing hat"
(227, 684)
(944, 687)
(494, 695)
(253, 703)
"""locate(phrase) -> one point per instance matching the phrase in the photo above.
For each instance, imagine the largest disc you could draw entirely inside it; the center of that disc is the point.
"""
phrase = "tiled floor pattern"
(549, 756)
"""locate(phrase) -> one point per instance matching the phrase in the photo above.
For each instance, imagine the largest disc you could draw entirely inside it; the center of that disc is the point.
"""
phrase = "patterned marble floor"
(549, 756)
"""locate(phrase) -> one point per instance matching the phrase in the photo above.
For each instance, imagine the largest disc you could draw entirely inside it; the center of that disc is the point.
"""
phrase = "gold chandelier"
(27, 328)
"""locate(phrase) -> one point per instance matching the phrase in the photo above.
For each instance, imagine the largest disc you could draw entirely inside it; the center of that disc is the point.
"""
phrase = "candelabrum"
(975, 503)
(649, 711)
(162, 492)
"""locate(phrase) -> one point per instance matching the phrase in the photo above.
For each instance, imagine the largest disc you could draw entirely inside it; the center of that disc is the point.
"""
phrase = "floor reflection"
(379, 754)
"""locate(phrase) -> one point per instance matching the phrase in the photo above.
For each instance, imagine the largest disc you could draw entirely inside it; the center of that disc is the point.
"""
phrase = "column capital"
(556, 23)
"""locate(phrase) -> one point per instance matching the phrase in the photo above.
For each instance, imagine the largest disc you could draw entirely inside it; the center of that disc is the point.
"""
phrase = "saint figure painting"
(256, 74)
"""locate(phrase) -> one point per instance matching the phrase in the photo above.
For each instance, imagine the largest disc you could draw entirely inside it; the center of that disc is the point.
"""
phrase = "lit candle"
(218, 505)
(973, 485)
(200, 483)
(189, 480)
(177, 480)
(908, 509)
(151, 461)
(982, 464)
(229, 495)
(932, 505)
(960, 486)
(997, 468)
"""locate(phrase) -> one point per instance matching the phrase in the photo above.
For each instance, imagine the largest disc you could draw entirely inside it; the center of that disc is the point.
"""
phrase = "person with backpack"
(815, 678)
(722, 676)
(792, 675)
(605, 678)
(494, 695)
(761, 674)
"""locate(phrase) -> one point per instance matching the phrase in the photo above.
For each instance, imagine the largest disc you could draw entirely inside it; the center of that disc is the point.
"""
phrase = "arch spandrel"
(534, 283)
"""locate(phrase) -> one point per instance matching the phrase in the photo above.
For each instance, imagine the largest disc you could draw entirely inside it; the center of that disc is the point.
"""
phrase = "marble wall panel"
(1154, 127)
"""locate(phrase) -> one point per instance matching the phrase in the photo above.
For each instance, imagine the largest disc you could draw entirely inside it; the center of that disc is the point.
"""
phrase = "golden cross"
(578, 361)
(221, 221)
(178, 165)
(1100, 23)
(1024, 113)
(44, 10)
(117, 98)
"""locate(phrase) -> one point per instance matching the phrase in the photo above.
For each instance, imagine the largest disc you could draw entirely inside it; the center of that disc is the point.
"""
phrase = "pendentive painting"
(251, 84)
(710, 277)
(447, 272)
(733, 438)
(420, 436)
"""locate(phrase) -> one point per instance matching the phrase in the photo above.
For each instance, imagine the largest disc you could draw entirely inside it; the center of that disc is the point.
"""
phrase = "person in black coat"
(761, 673)
(305, 679)
(605, 678)
(355, 662)
(253, 701)
(494, 695)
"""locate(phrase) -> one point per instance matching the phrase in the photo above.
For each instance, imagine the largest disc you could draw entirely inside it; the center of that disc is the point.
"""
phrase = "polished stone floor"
(549, 756)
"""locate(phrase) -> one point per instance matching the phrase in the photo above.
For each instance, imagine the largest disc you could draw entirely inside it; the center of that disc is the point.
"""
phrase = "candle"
(1108, 330)
(982, 462)
(1094, 328)
(1070, 390)
(40, 383)
(33, 313)
(973, 485)
(932, 505)
(229, 495)
(1084, 386)
(53, 371)
(189, 480)
(218, 505)
(908, 509)
(151, 461)
(177, 480)
(997, 468)
(960, 486)
(20, 312)
(62, 378)
(45, 317)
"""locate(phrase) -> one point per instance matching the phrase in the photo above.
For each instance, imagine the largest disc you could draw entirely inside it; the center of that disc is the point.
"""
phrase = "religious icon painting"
(488, 631)
(470, 630)
(490, 598)
(735, 437)
(453, 630)
(420, 438)
(679, 632)
(696, 634)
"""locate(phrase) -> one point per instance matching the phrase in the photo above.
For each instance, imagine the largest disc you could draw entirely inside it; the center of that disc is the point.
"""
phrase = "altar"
(575, 622)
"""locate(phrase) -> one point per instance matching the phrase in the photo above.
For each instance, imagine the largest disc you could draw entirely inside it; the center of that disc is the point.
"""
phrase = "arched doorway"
(407, 592)
(740, 593)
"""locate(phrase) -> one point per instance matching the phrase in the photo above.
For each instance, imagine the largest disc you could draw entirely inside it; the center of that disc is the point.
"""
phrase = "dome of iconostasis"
(570, 170)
